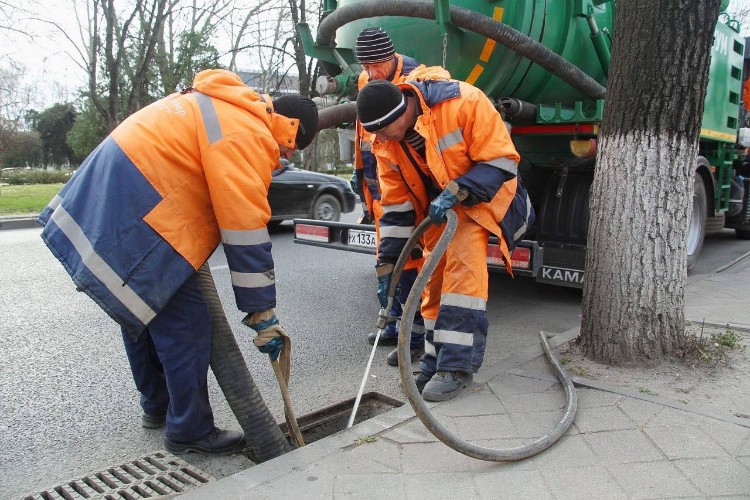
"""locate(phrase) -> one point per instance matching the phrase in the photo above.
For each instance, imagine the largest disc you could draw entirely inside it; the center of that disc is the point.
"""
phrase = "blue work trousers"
(406, 282)
(169, 361)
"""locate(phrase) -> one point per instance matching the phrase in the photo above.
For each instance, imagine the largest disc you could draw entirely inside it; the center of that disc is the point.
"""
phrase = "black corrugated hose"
(265, 439)
(407, 376)
(468, 20)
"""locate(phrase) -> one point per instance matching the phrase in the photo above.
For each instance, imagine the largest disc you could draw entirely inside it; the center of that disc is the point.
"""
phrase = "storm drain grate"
(153, 476)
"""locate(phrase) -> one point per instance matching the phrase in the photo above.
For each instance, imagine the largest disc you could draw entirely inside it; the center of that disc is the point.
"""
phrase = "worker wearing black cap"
(375, 52)
(440, 145)
(148, 207)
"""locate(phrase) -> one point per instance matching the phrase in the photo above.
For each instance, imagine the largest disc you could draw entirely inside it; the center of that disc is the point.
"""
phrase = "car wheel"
(326, 208)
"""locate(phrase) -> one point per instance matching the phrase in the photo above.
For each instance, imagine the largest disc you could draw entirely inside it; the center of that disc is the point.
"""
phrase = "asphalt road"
(68, 406)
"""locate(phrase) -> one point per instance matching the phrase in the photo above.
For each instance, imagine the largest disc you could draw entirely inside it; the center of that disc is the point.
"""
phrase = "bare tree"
(634, 294)
(16, 98)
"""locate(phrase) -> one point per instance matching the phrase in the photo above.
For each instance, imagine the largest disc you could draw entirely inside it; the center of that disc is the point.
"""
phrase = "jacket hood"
(229, 87)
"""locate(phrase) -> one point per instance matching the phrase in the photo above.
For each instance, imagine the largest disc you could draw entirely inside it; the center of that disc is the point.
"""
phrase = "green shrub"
(35, 176)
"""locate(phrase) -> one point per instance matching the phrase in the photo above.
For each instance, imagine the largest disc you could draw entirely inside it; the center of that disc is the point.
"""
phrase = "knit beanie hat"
(374, 46)
(379, 104)
(296, 106)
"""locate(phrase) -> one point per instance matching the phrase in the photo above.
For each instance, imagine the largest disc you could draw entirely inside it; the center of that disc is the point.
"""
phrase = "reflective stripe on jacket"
(148, 207)
(461, 129)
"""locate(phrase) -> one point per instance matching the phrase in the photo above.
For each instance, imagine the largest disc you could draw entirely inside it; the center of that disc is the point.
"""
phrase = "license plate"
(362, 238)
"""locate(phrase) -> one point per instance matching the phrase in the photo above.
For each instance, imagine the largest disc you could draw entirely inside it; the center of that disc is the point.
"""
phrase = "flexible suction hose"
(265, 439)
(469, 20)
(407, 377)
(336, 115)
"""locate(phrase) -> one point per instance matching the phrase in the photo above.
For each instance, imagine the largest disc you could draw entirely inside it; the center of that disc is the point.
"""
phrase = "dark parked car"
(310, 195)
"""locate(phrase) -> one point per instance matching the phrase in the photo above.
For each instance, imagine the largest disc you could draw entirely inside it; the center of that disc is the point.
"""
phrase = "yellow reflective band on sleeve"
(252, 280)
(249, 237)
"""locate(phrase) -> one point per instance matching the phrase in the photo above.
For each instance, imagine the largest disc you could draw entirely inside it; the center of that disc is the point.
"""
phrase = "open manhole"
(332, 419)
(157, 475)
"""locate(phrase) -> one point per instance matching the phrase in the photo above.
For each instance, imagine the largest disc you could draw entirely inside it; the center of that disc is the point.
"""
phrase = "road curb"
(18, 222)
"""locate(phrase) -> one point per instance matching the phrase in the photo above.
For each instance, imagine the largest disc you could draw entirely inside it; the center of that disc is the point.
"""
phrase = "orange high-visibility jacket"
(148, 207)
(406, 69)
(461, 129)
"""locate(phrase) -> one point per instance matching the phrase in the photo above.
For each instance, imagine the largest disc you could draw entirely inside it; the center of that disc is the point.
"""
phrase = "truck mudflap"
(526, 258)
(563, 265)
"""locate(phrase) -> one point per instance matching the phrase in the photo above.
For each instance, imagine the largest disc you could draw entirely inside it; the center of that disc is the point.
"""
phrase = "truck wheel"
(716, 223)
(326, 208)
(743, 233)
(697, 230)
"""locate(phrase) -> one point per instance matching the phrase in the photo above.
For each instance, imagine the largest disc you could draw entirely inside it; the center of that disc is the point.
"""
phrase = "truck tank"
(504, 47)
(563, 26)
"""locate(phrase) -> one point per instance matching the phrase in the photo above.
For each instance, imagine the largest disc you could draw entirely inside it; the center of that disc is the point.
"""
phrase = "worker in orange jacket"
(148, 207)
(440, 145)
(375, 52)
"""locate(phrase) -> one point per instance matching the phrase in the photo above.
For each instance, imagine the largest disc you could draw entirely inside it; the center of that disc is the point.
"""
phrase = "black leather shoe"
(392, 358)
(384, 339)
(421, 380)
(153, 421)
(216, 442)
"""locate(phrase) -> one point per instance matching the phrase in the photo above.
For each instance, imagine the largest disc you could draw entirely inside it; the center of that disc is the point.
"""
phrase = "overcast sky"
(49, 65)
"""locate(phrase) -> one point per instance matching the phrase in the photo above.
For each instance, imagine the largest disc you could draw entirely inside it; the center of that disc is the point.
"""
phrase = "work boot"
(421, 380)
(446, 385)
(385, 339)
(216, 442)
(392, 358)
(153, 421)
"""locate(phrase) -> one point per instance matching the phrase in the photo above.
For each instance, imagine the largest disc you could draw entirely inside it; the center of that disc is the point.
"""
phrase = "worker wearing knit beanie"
(381, 64)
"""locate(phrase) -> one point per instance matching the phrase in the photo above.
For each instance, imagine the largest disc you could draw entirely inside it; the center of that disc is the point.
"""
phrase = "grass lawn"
(27, 199)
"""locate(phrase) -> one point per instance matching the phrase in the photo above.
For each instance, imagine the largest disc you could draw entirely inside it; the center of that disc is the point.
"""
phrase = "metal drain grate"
(153, 476)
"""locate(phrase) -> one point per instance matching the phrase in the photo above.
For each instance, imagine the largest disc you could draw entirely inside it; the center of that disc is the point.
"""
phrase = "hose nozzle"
(383, 316)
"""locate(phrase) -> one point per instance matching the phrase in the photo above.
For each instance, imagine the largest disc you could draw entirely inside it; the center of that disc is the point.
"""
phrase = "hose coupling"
(383, 317)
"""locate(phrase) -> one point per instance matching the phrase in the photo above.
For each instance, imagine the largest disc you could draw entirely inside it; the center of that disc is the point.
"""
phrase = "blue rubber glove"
(273, 346)
(384, 283)
(440, 206)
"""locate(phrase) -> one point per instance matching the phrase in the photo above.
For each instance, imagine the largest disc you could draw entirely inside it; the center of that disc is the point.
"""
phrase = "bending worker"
(375, 52)
(440, 144)
(148, 207)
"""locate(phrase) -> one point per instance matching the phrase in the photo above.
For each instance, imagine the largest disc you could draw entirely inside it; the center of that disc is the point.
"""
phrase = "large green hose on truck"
(482, 25)
(407, 377)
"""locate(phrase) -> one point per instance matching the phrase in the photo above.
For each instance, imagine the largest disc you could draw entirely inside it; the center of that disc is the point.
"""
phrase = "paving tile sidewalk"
(621, 445)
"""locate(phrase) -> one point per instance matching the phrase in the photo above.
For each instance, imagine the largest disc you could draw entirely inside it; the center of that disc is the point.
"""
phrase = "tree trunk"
(633, 299)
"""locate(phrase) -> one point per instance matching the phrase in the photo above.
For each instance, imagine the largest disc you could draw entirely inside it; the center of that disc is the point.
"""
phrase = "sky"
(46, 53)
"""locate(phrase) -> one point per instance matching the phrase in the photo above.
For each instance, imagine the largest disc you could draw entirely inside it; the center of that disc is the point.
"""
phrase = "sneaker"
(216, 442)
(446, 385)
(421, 380)
(384, 339)
(153, 421)
(392, 358)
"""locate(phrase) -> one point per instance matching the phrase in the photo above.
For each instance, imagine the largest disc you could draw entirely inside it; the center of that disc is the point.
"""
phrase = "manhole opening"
(332, 419)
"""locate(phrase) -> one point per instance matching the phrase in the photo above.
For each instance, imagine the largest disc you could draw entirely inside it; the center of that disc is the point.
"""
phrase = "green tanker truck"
(544, 64)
